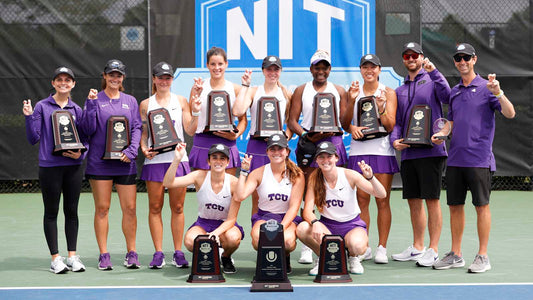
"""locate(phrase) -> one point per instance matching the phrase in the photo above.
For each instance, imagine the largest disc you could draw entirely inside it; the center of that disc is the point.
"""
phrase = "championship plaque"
(325, 116)
(418, 133)
(271, 266)
(219, 117)
(65, 133)
(442, 128)
(162, 132)
(368, 116)
(205, 261)
(332, 262)
(117, 137)
(268, 118)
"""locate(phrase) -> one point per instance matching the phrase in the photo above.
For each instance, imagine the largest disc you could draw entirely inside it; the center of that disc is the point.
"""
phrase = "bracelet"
(383, 113)
(370, 178)
(244, 84)
(499, 95)
(304, 133)
(244, 172)
(314, 221)
(195, 113)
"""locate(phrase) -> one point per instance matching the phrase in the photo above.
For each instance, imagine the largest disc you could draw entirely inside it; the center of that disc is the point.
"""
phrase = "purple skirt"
(265, 215)
(341, 150)
(156, 172)
(257, 148)
(200, 147)
(209, 225)
(342, 228)
(380, 164)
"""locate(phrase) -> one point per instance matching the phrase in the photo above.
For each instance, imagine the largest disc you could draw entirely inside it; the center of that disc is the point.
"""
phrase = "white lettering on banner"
(285, 29)
(237, 27)
(324, 14)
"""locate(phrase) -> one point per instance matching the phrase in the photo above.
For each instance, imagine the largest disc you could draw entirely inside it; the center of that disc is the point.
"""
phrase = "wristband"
(244, 172)
(244, 84)
(383, 113)
(499, 95)
(314, 221)
(304, 133)
(195, 113)
(370, 178)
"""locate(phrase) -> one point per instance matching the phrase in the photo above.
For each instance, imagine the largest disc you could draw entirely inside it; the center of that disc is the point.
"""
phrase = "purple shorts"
(257, 148)
(341, 150)
(156, 172)
(200, 147)
(342, 228)
(209, 225)
(265, 215)
(380, 164)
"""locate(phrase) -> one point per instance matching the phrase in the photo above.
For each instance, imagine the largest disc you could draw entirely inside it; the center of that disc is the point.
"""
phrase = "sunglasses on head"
(458, 57)
(413, 55)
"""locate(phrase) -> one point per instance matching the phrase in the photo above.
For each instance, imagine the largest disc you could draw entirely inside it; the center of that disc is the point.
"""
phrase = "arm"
(132, 150)
(88, 122)
(367, 181)
(171, 181)
(194, 101)
(295, 200)
(288, 96)
(143, 111)
(232, 213)
(494, 87)
(33, 121)
(396, 134)
(347, 106)
(190, 121)
(247, 184)
(387, 110)
(295, 111)
(245, 96)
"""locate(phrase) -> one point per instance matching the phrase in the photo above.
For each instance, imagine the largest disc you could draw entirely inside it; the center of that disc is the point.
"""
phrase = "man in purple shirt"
(421, 168)
(471, 162)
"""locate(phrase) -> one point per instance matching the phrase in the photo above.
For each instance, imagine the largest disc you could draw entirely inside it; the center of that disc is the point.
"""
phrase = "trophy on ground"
(325, 115)
(117, 137)
(268, 118)
(65, 133)
(205, 261)
(442, 129)
(418, 131)
(368, 116)
(219, 117)
(271, 266)
(332, 262)
(162, 132)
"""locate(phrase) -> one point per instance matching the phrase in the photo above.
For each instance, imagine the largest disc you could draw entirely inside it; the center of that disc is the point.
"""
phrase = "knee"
(101, 211)
(189, 243)
(383, 203)
(130, 211)
(155, 208)
(178, 209)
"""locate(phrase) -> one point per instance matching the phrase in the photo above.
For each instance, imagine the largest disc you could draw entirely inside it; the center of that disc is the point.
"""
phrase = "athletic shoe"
(58, 266)
(104, 262)
(367, 255)
(179, 260)
(428, 258)
(354, 263)
(132, 261)
(481, 264)
(450, 260)
(381, 256)
(314, 270)
(74, 264)
(227, 265)
(288, 260)
(306, 255)
(158, 261)
(411, 253)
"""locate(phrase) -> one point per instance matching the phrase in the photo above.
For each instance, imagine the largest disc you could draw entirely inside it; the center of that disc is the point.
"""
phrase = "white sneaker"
(306, 255)
(74, 264)
(354, 263)
(428, 258)
(411, 253)
(314, 270)
(58, 266)
(381, 256)
(367, 255)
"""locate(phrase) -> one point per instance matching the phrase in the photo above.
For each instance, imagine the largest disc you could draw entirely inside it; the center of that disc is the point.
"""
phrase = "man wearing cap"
(470, 161)
(421, 168)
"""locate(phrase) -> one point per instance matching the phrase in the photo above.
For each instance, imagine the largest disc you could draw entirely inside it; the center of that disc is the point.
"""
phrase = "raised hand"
(27, 110)
(493, 85)
(428, 65)
(353, 90)
(92, 94)
(246, 162)
(246, 78)
(381, 100)
(198, 85)
(196, 104)
(366, 169)
(179, 152)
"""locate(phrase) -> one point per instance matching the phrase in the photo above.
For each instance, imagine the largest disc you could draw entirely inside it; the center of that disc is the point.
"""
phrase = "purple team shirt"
(94, 125)
(430, 89)
(472, 112)
(39, 129)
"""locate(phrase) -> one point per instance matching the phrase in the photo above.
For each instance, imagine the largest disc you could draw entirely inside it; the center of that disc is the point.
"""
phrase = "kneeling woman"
(333, 190)
(217, 208)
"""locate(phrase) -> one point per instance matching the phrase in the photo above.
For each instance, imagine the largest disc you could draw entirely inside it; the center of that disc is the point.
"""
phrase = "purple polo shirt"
(472, 112)
(39, 129)
(94, 124)
(430, 89)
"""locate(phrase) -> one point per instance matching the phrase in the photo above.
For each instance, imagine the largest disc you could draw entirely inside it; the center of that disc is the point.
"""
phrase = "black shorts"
(459, 180)
(117, 179)
(422, 177)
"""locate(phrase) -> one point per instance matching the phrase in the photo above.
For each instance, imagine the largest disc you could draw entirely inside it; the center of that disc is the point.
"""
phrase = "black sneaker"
(227, 265)
(288, 259)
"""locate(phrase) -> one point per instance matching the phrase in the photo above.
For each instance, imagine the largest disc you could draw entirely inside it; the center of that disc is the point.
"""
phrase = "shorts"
(200, 148)
(335, 140)
(342, 228)
(460, 179)
(422, 177)
(265, 216)
(156, 172)
(117, 179)
(380, 164)
(257, 148)
(209, 225)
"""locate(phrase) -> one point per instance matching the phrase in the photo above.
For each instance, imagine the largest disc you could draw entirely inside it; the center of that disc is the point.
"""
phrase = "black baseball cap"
(115, 65)
(218, 148)
(271, 60)
(370, 58)
(325, 147)
(415, 47)
(465, 48)
(63, 70)
(162, 68)
(277, 139)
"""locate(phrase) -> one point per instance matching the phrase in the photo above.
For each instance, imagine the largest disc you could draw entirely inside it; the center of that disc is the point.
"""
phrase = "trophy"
(219, 117)
(332, 261)
(325, 117)
(65, 133)
(442, 129)
(268, 118)
(271, 266)
(368, 116)
(418, 131)
(117, 137)
(162, 132)
(205, 261)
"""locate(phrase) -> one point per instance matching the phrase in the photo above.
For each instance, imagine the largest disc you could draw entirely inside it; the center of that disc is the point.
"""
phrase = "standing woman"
(155, 165)
(102, 174)
(57, 174)
(217, 63)
(378, 152)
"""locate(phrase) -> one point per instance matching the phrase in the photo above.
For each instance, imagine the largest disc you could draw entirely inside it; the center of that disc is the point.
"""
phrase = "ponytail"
(293, 171)
(316, 180)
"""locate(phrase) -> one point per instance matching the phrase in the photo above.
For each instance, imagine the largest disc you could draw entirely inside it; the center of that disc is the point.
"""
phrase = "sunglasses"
(413, 55)
(458, 58)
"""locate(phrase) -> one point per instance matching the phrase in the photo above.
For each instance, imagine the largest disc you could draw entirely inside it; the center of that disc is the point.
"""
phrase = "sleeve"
(79, 117)
(450, 107)
(442, 88)
(136, 131)
(87, 124)
(493, 101)
(397, 130)
(33, 124)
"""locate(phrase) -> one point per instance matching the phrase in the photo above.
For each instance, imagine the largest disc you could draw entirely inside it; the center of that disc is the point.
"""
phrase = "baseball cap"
(320, 55)
(370, 58)
(115, 65)
(63, 70)
(465, 48)
(162, 68)
(271, 60)
(325, 147)
(218, 148)
(415, 47)
(277, 139)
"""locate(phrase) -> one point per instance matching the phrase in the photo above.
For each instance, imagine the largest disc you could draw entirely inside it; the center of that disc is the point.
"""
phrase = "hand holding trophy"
(442, 129)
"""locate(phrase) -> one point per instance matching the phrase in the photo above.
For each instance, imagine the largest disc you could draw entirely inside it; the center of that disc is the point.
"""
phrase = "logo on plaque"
(332, 261)
(205, 261)
(219, 117)
(162, 132)
(117, 137)
(325, 116)
(65, 133)
(268, 118)
(418, 131)
(368, 116)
